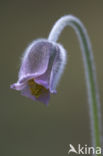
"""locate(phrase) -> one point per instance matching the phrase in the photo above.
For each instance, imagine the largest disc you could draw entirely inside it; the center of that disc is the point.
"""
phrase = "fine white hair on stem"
(90, 71)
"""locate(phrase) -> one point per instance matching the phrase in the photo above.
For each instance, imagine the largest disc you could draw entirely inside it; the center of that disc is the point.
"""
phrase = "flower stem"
(90, 72)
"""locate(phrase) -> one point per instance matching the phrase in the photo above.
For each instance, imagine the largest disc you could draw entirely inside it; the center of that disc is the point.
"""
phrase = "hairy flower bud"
(41, 68)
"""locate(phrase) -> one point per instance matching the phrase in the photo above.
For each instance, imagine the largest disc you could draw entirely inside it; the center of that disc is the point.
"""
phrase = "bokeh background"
(29, 128)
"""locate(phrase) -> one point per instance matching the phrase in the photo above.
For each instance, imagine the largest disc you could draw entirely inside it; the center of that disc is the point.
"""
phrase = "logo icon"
(72, 149)
(84, 150)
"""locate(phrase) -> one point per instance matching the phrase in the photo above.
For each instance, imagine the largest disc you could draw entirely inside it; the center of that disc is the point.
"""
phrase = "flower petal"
(45, 97)
(17, 86)
(44, 79)
(36, 58)
(22, 82)
(58, 67)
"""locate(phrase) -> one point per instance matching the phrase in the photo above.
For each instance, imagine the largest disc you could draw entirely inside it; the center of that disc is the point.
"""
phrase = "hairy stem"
(90, 71)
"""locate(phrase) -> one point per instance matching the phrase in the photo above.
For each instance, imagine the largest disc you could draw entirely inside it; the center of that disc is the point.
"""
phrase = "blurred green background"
(29, 128)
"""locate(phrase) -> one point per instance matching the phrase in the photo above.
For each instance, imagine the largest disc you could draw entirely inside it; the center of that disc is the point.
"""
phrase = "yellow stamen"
(36, 89)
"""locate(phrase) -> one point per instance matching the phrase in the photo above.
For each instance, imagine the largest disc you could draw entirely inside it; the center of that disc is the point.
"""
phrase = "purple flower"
(41, 67)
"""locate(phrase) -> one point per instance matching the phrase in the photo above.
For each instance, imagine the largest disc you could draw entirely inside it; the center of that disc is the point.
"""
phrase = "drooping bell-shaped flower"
(41, 68)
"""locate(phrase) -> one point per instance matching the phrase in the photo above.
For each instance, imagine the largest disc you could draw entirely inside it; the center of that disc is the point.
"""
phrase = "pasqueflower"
(41, 68)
